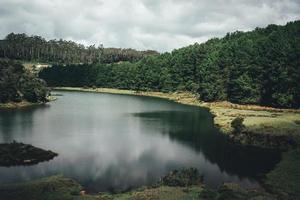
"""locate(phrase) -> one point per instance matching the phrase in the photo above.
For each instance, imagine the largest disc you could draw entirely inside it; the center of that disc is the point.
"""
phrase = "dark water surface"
(115, 142)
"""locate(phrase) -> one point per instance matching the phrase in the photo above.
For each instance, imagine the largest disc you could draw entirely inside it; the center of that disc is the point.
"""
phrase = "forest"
(256, 67)
(17, 84)
(36, 48)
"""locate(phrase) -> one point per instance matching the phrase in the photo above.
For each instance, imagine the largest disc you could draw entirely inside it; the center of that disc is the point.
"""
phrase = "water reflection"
(18, 121)
(203, 137)
(114, 142)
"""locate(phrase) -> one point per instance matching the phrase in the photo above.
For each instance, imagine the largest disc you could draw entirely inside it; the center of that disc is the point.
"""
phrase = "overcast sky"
(142, 24)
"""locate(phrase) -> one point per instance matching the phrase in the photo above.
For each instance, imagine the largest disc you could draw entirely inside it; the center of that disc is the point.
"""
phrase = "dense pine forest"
(17, 84)
(257, 67)
(23, 47)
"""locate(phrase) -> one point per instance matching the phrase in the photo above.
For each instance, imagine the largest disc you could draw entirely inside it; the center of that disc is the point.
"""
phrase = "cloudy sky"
(142, 24)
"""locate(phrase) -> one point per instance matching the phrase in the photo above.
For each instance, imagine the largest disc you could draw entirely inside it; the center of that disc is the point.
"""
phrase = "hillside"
(258, 67)
(36, 48)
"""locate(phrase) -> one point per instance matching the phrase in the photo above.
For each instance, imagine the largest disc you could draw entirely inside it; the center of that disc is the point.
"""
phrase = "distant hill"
(36, 48)
(256, 67)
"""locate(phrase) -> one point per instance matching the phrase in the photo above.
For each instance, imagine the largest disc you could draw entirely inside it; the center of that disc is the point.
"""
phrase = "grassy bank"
(50, 188)
(59, 187)
(263, 126)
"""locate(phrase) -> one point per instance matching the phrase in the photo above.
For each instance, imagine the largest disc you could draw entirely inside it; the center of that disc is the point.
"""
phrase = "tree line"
(17, 84)
(257, 67)
(36, 48)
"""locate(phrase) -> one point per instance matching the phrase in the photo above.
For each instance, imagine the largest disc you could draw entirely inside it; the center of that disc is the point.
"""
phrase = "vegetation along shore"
(261, 126)
(19, 87)
(253, 125)
(248, 80)
(178, 184)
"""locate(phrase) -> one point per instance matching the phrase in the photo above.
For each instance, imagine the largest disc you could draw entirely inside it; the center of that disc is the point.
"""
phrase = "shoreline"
(262, 126)
(25, 104)
(18, 105)
(279, 183)
(186, 183)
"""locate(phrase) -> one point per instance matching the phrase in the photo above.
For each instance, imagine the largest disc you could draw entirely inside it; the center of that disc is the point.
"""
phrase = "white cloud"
(141, 24)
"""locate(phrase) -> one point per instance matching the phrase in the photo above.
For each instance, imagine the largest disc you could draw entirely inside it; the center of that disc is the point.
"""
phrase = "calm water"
(115, 142)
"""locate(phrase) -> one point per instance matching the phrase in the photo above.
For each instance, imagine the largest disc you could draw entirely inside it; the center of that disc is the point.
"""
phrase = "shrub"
(237, 125)
(181, 178)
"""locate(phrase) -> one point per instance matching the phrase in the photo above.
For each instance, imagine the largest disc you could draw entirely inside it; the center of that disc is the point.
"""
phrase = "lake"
(110, 142)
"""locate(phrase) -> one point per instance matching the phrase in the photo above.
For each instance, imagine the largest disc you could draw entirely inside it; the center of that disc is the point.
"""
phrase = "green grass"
(280, 124)
(281, 127)
(284, 180)
(162, 192)
(231, 191)
(226, 192)
(51, 188)
(60, 188)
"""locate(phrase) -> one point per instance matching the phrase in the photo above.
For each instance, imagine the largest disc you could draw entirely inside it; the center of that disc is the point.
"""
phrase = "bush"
(182, 178)
(16, 84)
(237, 125)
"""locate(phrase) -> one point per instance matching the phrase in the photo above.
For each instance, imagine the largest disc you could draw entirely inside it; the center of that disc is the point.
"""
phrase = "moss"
(284, 180)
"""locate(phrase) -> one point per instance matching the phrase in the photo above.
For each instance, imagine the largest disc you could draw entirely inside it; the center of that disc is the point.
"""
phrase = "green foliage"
(259, 67)
(237, 125)
(16, 84)
(50, 188)
(23, 47)
(208, 194)
(33, 89)
(182, 178)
